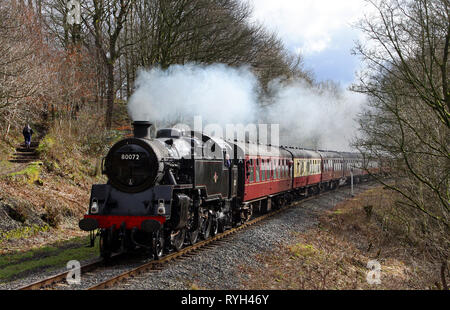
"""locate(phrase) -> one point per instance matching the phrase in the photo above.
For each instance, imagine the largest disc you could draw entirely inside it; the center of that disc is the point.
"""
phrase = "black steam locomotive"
(162, 192)
(181, 186)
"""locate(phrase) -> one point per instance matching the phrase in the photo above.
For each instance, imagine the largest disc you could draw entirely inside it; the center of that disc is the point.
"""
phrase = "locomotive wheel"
(214, 225)
(177, 239)
(205, 227)
(158, 245)
(194, 230)
(192, 236)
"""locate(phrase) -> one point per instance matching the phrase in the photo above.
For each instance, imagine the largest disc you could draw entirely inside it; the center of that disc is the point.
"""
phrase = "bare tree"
(24, 70)
(105, 21)
(408, 120)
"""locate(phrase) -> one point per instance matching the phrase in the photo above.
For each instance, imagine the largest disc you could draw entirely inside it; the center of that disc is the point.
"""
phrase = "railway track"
(156, 265)
(60, 277)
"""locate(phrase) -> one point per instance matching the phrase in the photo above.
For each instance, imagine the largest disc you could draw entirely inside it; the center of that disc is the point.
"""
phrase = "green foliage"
(28, 175)
(47, 258)
(22, 232)
(302, 250)
(45, 145)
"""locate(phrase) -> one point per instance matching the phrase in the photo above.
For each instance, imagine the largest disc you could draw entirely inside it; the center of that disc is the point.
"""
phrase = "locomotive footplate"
(146, 223)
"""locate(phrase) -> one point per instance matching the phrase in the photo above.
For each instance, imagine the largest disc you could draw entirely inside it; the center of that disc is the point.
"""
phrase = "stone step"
(24, 149)
(23, 160)
(27, 154)
(24, 157)
(24, 154)
(32, 144)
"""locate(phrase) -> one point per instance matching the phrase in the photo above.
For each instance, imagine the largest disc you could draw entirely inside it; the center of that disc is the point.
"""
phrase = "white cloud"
(308, 25)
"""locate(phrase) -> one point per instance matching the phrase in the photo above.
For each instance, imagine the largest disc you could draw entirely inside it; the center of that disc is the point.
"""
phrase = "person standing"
(27, 133)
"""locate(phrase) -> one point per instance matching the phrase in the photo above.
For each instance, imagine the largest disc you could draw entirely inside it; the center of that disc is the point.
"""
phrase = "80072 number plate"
(129, 157)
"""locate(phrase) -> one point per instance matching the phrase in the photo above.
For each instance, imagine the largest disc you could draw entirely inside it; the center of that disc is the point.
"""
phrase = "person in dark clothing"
(27, 133)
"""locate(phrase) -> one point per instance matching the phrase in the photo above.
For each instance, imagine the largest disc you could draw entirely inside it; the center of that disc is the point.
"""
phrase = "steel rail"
(61, 277)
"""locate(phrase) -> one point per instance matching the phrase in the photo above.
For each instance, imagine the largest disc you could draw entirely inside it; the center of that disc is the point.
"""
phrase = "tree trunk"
(110, 95)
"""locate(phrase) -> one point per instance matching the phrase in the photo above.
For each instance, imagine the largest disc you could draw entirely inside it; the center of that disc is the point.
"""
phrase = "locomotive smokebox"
(141, 129)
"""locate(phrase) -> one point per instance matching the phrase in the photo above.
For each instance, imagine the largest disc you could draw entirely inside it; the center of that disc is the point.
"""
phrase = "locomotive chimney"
(141, 129)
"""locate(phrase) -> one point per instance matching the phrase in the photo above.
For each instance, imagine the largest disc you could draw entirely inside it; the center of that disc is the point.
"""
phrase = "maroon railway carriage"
(307, 169)
(332, 172)
(267, 171)
(353, 165)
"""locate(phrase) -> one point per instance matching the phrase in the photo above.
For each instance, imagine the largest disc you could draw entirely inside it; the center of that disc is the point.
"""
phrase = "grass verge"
(335, 254)
(18, 265)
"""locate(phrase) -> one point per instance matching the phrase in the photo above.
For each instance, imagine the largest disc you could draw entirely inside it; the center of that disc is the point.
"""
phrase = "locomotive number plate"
(129, 157)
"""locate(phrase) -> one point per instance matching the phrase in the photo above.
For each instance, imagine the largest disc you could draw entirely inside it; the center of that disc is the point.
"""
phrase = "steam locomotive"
(172, 190)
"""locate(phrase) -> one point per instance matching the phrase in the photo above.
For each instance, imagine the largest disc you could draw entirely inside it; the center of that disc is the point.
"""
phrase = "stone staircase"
(25, 155)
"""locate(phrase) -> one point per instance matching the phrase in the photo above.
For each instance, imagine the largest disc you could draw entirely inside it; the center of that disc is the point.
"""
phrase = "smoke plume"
(308, 116)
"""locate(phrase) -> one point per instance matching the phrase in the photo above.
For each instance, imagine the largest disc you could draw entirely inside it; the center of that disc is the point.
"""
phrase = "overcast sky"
(319, 29)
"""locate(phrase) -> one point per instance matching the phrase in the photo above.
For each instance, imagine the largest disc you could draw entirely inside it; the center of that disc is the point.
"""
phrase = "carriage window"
(266, 171)
(263, 173)
(271, 169)
(257, 170)
(251, 171)
(274, 168)
(278, 169)
(275, 171)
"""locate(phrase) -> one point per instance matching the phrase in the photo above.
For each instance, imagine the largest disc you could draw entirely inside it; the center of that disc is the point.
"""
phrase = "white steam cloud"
(307, 117)
(312, 117)
(217, 93)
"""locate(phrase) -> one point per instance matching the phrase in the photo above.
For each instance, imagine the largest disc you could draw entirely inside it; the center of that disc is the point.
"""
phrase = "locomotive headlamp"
(94, 207)
(161, 207)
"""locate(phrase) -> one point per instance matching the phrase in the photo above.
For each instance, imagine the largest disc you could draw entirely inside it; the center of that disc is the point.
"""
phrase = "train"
(169, 191)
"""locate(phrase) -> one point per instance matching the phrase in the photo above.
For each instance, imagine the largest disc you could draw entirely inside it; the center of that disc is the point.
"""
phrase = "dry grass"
(335, 254)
